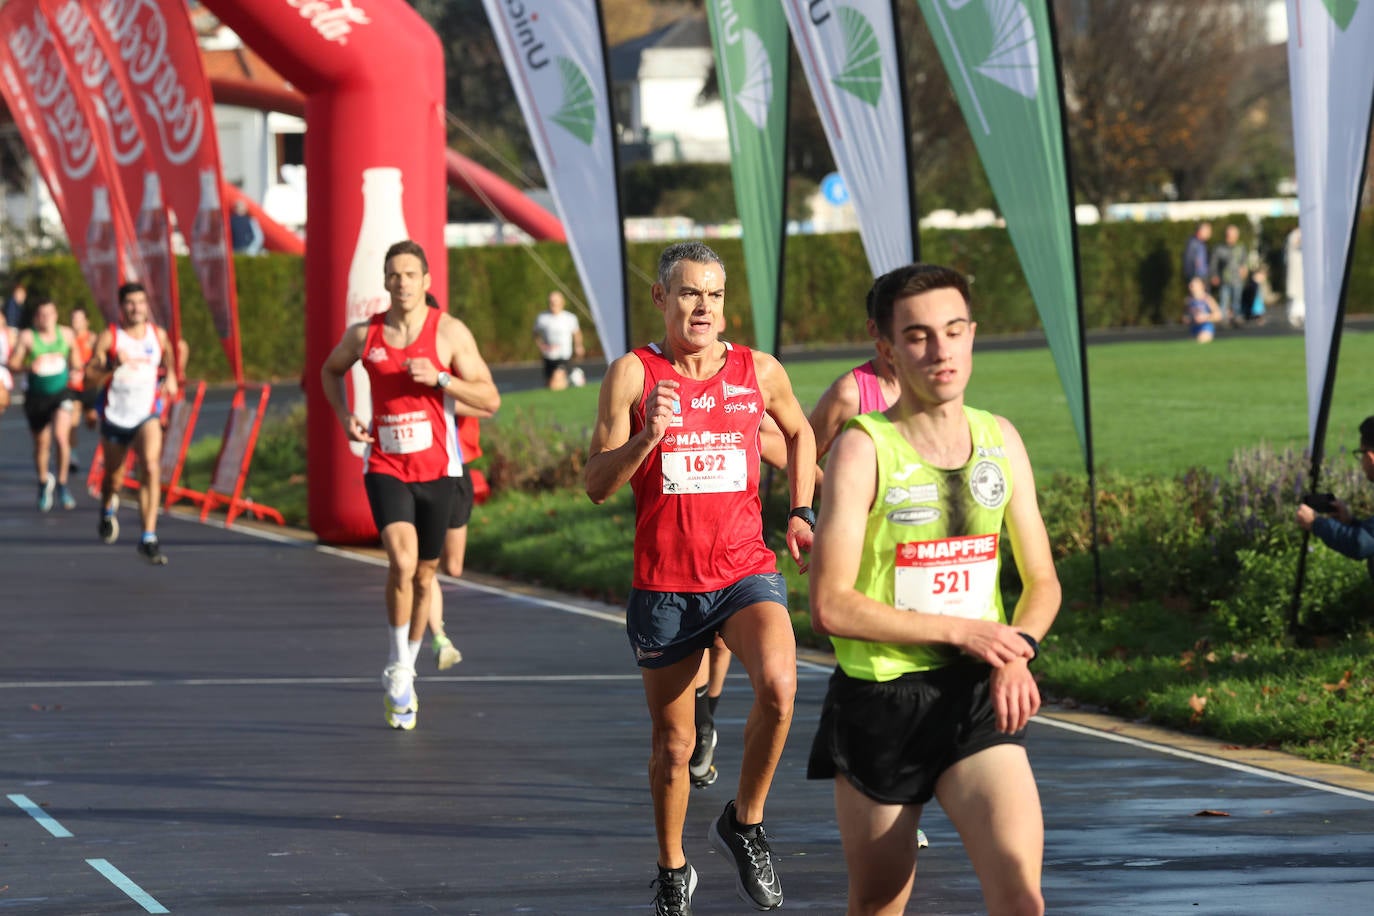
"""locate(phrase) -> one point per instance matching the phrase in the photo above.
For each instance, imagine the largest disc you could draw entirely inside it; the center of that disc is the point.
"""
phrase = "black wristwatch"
(1034, 644)
(805, 514)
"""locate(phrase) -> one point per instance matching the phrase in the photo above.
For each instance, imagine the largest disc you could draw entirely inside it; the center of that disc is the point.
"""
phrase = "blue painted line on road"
(49, 822)
(121, 881)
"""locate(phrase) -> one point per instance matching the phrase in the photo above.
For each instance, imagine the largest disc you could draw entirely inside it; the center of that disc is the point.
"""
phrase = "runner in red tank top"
(446, 655)
(421, 363)
(679, 423)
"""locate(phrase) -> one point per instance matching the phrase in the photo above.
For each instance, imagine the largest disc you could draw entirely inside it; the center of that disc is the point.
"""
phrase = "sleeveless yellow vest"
(932, 544)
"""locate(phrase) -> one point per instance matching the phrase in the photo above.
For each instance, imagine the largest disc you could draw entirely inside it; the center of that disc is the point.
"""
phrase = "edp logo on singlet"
(705, 402)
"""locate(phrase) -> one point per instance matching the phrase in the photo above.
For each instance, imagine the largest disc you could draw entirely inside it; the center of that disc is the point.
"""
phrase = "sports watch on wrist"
(443, 380)
(806, 514)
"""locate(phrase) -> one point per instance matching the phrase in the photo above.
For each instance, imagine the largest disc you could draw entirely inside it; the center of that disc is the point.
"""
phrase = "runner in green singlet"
(932, 692)
(47, 351)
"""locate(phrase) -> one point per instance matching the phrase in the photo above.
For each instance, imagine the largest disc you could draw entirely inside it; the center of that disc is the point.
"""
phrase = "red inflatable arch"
(373, 75)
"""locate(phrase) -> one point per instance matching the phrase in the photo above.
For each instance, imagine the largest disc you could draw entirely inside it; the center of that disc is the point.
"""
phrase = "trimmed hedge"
(1130, 278)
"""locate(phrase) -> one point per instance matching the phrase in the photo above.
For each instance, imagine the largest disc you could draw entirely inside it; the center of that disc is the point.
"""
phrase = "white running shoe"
(400, 701)
(446, 654)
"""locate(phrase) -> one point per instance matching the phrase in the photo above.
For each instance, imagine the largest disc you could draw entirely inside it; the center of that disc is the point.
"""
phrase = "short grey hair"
(675, 254)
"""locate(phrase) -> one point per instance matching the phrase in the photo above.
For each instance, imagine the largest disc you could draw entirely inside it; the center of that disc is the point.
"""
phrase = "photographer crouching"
(1330, 519)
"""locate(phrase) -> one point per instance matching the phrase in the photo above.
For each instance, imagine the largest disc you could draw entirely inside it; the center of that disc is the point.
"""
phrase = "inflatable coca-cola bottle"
(384, 224)
(151, 229)
(207, 250)
(102, 253)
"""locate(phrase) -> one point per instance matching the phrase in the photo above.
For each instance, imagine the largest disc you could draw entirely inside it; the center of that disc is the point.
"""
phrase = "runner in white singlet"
(127, 361)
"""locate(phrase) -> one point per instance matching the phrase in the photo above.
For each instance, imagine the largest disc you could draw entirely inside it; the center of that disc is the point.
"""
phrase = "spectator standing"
(14, 307)
(1229, 273)
(559, 337)
(1292, 259)
(1195, 260)
(244, 230)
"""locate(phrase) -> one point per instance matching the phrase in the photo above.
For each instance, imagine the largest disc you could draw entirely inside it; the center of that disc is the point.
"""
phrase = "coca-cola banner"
(372, 74)
(113, 104)
(153, 48)
(555, 53)
(90, 198)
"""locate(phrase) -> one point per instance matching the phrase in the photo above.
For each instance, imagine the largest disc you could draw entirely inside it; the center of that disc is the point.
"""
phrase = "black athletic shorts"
(39, 409)
(425, 505)
(463, 499)
(666, 627)
(553, 365)
(89, 396)
(893, 739)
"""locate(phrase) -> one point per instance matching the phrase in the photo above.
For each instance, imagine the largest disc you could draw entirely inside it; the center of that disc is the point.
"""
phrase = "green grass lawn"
(1159, 409)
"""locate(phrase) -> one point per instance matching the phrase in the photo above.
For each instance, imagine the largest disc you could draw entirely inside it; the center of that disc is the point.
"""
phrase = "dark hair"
(78, 308)
(675, 254)
(1367, 432)
(42, 300)
(910, 280)
(406, 247)
(126, 289)
(431, 301)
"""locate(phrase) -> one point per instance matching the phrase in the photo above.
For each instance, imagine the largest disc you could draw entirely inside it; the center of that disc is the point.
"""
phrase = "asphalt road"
(206, 738)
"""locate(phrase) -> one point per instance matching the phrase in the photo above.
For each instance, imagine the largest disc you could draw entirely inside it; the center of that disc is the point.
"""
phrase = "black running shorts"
(666, 627)
(424, 505)
(39, 409)
(462, 501)
(893, 739)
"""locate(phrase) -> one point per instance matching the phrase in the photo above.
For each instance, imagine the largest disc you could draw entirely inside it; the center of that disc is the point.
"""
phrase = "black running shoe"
(675, 888)
(109, 528)
(152, 552)
(758, 882)
(702, 765)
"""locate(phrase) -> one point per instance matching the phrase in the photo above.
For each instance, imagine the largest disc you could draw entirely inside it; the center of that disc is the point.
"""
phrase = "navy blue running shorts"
(666, 627)
(893, 739)
(122, 435)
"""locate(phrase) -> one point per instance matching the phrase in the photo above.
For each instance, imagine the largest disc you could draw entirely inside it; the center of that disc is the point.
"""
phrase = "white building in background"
(656, 82)
(261, 153)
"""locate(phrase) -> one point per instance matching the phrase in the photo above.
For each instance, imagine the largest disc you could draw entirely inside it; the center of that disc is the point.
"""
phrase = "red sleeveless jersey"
(411, 423)
(698, 520)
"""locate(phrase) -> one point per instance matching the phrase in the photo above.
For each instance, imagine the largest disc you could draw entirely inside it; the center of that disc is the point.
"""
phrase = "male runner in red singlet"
(83, 345)
(446, 654)
(419, 361)
(135, 365)
(678, 421)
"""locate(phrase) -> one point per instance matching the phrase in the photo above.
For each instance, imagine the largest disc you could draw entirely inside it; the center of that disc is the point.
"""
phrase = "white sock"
(414, 648)
(400, 648)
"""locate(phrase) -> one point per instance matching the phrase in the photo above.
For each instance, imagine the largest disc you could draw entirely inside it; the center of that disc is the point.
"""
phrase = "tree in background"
(1172, 93)
(1148, 88)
